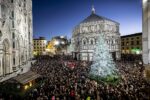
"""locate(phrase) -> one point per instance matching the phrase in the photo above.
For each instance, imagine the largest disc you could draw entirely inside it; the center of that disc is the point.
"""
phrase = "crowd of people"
(63, 83)
(131, 57)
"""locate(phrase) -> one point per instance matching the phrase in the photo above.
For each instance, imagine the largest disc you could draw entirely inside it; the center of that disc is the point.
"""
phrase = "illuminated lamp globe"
(62, 42)
(56, 43)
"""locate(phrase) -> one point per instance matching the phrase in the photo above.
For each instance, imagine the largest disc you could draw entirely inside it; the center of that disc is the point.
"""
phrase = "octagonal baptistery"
(85, 36)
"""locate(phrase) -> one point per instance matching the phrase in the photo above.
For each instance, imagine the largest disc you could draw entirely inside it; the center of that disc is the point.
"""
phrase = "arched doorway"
(6, 57)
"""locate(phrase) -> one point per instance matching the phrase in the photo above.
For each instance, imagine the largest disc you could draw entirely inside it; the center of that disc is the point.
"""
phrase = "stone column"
(1, 65)
(146, 32)
(146, 38)
(1, 61)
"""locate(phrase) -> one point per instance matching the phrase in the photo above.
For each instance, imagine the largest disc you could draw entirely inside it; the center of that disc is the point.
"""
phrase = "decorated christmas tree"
(103, 66)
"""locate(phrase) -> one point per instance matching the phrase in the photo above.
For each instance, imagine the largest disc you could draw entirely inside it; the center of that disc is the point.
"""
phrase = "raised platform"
(23, 69)
(147, 72)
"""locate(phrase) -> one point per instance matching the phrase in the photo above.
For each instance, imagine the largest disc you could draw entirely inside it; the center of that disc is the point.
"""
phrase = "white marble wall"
(20, 13)
(146, 32)
(84, 32)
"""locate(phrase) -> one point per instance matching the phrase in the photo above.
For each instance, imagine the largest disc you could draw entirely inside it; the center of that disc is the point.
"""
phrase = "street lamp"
(62, 42)
(56, 42)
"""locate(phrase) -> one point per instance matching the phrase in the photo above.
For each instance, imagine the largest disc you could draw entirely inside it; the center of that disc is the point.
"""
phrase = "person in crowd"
(63, 82)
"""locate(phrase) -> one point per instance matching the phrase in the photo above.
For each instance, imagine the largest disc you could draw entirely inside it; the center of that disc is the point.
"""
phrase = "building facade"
(146, 31)
(15, 35)
(39, 46)
(131, 44)
(60, 44)
(85, 36)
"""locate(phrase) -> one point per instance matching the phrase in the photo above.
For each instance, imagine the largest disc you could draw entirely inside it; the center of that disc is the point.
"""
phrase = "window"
(122, 43)
(132, 42)
(92, 42)
(13, 35)
(12, 14)
(12, 1)
(13, 44)
(84, 42)
(137, 37)
(24, 3)
(0, 34)
(13, 61)
(137, 42)
(127, 43)
(132, 38)
(19, 5)
(13, 24)
(95, 41)
(112, 42)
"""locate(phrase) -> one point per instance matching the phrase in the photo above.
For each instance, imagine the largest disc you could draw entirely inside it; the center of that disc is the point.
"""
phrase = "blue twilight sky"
(59, 17)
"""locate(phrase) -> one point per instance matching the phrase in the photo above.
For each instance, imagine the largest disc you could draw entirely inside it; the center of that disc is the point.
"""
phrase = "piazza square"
(74, 50)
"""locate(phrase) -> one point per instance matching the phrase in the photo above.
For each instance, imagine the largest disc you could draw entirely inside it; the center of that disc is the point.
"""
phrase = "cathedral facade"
(15, 35)
(85, 36)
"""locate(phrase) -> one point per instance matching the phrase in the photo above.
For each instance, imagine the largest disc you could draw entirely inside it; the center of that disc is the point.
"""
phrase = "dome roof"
(94, 17)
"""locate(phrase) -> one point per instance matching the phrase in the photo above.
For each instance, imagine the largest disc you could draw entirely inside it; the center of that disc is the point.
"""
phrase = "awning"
(26, 77)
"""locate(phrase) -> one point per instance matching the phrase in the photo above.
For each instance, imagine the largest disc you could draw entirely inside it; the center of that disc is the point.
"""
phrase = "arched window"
(84, 41)
(92, 42)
